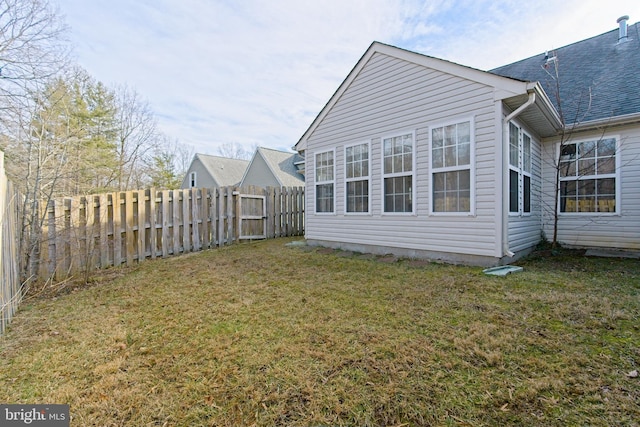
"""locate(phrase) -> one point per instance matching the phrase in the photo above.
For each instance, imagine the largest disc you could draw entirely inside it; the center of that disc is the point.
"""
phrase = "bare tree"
(137, 136)
(32, 50)
(32, 45)
(576, 159)
(235, 150)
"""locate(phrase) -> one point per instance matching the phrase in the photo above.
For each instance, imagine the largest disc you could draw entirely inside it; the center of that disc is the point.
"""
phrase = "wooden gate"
(253, 217)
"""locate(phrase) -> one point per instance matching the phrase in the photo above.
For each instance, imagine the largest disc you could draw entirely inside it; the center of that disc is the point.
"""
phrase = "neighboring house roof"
(598, 77)
(281, 164)
(513, 91)
(223, 170)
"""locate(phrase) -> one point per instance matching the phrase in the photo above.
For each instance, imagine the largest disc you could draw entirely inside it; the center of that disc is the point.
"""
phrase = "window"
(397, 173)
(588, 176)
(357, 178)
(192, 180)
(519, 170)
(324, 182)
(451, 152)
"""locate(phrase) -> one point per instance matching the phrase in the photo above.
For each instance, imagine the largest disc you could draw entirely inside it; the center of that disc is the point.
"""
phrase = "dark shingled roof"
(599, 77)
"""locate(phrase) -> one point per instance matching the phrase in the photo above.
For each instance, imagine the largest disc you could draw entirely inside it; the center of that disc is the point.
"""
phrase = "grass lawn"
(264, 334)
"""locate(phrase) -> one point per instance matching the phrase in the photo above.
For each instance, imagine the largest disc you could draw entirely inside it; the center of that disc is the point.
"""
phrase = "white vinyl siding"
(325, 182)
(375, 106)
(357, 178)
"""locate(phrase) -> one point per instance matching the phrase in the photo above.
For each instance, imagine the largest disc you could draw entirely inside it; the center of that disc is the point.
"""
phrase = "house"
(422, 157)
(214, 171)
(273, 168)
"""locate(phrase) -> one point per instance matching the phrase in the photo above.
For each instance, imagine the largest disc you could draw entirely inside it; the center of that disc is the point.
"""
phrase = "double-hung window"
(519, 171)
(588, 176)
(325, 182)
(357, 178)
(192, 180)
(451, 167)
(398, 173)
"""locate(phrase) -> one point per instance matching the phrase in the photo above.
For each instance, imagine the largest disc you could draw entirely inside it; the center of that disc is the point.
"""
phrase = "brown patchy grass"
(263, 334)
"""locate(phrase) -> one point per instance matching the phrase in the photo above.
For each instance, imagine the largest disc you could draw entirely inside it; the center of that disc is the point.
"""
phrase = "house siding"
(617, 231)
(376, 105)
(259, 174)
(203, 177)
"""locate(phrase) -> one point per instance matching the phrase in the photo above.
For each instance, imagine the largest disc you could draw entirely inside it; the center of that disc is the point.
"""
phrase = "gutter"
(505, 171)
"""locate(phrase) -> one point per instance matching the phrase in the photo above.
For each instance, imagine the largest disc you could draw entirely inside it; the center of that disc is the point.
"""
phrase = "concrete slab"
(503, 270)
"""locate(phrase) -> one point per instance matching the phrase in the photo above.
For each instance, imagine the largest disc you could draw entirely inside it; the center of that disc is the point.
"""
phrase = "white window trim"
(193, 179)
(472, 167)
(361, 178)
(316, 183)
(393, 175)
(521, 172)
(615, 175)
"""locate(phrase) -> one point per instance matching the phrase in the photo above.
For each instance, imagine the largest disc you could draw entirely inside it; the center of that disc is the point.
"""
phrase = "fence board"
(166, 230)
(117, 228)
(176, 221)
(153, 214)
(130, 243)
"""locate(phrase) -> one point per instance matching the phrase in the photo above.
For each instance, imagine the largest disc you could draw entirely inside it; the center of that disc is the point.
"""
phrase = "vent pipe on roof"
(622, 34)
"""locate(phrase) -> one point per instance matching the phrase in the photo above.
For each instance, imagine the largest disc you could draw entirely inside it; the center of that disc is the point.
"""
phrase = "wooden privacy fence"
(85, 233)
(11, 290)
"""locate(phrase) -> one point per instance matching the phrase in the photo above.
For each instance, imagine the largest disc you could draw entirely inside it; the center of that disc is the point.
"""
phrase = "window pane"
(568, 168)
(568, 152)
(398, 194)
(358, 196)
(388, 165)
(450, 156)
(606, 165)
(464, 180)
(437, 158)
(587, 187)
(450, 135)
(464, 154)
(527, 194)
(586, 167)
(324, 198)
(437, 137)
(587, 149)
(513, 191)
(513, 144)
(526, 153)
(607, 147)
(407, 160)
(464, 132)
(451, 192)
(607, 186)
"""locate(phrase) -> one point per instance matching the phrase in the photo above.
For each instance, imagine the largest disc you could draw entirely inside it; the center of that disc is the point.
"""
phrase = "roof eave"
(626, 119)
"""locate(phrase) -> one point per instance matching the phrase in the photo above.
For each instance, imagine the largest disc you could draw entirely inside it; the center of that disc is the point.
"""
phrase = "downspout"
(505, 172)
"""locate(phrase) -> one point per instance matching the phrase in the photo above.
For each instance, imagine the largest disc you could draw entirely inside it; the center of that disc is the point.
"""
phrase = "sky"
(257, 72)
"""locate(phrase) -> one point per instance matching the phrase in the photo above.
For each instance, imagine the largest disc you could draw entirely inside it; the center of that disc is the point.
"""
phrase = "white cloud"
(258, 72)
